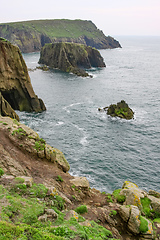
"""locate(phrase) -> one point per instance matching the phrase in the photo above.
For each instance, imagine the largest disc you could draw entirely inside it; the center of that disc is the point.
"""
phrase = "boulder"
(80, 182)
(155, 203)
(133, 194)
(15, 83)
(71, 214)
(71, 57)
(134, 221)
(121, 110)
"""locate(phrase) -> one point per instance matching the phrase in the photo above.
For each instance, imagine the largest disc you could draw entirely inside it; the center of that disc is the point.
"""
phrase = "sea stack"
(71, 57)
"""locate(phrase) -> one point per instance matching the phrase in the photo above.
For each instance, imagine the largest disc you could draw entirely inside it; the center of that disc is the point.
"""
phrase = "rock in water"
(71, 57)
(121, 109)
(15, 83)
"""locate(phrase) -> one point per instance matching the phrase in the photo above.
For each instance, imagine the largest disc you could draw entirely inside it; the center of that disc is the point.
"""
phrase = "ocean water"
(106, 150)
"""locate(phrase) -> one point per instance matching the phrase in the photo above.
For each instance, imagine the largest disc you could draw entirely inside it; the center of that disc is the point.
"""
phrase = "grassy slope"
(59, 28)
(21, 206)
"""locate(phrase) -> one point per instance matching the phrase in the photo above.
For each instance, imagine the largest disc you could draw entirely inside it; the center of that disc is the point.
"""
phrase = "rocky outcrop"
(121, 110)
(30, 36)
(29, 141)
(6, 109)
(71, 57)
(15, 83)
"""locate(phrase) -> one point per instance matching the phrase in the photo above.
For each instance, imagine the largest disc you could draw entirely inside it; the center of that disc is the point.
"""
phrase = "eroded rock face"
(71, 57)
(6, 109)
(15, 83)
(28, 140)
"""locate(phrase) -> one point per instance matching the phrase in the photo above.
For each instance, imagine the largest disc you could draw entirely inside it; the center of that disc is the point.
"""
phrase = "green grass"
(57, 28)
(81, 209)
(19, 216)
(118, 197)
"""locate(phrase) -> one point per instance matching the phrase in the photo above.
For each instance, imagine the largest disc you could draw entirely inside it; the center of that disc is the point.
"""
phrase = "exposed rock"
(133, 194)
(30, 36)
(134, 221)
(71, 57)
(6, 109)
(125, 212)
(28, 140)
(9, 164)
(71, 214)
(155, 203)
(121, 109)
(81, 182)
(15, 83)
(154, 193)
(51, 213)
(28, 181)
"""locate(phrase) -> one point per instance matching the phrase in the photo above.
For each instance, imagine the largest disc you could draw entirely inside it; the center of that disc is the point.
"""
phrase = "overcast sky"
(113, 17)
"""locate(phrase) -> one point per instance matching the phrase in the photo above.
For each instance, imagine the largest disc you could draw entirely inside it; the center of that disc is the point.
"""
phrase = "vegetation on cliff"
(30, 36)
(71, 57)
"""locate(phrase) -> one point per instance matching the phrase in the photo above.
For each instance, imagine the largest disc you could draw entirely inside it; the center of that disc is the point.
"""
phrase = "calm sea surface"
(106, 150)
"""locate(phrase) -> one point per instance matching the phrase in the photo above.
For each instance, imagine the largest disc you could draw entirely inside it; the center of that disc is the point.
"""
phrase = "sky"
(113, 17)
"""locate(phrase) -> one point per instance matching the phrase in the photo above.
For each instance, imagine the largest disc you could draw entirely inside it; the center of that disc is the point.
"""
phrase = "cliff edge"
(30, 36)
(15, 83)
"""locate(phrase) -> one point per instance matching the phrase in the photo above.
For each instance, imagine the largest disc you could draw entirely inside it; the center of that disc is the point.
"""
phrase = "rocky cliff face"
(71, 57)
(30, 36)
(15, 84)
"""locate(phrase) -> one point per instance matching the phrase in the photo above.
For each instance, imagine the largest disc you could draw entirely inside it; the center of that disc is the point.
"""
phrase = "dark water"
(106, 150)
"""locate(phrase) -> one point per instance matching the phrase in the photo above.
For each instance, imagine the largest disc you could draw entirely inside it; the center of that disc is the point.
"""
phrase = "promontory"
(30, 36)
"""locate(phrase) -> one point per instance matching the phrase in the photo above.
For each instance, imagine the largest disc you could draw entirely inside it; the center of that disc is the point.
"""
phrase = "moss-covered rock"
(121, 110)
(71, 57)
(15, 83)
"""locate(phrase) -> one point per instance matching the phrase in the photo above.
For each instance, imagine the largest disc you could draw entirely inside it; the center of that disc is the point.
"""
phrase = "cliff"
(15, 83)
(71, 57)
(41, 200)
(30, 36)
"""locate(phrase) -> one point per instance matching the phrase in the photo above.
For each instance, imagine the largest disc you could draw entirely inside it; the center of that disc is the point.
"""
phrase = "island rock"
(71, 57)
(15, 83)
(121, 109)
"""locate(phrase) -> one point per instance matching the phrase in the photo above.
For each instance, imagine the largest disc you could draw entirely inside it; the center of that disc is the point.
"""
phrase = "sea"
(106, 150)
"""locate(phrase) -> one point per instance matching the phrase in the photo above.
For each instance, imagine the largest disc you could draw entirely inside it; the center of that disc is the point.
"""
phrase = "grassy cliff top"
(58, 28)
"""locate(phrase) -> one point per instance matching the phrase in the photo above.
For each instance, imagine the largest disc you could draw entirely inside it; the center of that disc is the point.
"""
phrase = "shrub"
(118, 197)
(1, 172)
(81, 209)
(59, 178)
